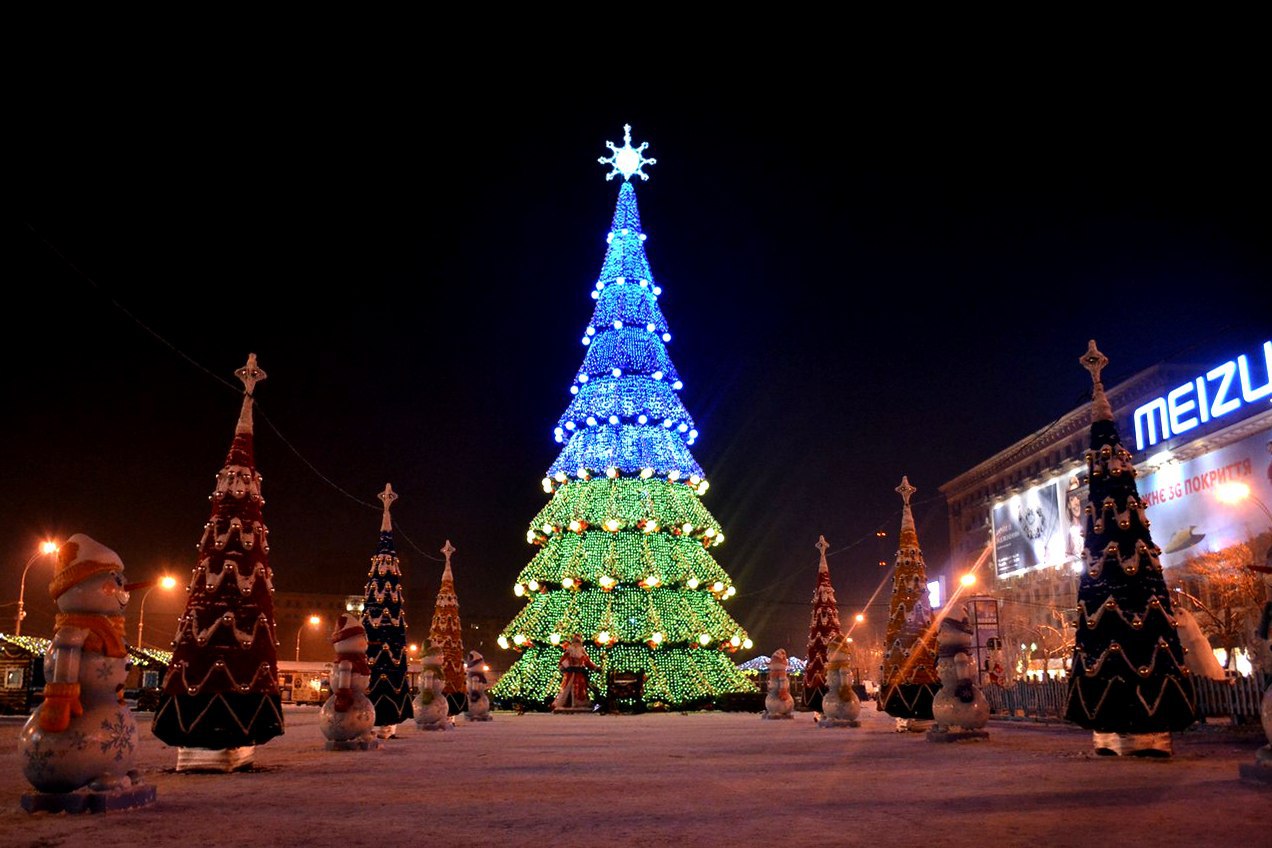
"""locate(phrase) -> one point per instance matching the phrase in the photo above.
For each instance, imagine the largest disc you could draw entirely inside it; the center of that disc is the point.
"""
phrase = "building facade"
(1195, 429)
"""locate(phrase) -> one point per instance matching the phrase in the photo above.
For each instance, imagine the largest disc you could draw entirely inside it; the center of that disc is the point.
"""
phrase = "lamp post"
(46, 548)
(313, 622)
(165, 582)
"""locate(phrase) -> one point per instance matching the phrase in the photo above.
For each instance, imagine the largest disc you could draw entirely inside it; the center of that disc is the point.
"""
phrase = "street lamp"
(313, 621)
(46, 548)
(164, 582)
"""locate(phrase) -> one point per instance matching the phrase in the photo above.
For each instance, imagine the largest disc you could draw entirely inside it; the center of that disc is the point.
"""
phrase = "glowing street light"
(968, 579)
(1235, 493)
(314, 621)
(165, 582)
(46, 548)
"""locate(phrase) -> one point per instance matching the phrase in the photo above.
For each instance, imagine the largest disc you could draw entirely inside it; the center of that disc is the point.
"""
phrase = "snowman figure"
(83, 736)
(959, 708)
(347, 719)
(478, 701)
(840, 704)
(778, 703)
(431, 706)
(1261, 769)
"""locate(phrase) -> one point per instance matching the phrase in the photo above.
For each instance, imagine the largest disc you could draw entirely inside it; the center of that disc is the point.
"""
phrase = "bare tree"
(1225, 594)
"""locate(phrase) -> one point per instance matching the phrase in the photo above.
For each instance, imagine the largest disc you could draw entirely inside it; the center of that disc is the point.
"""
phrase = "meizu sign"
(1220, 391)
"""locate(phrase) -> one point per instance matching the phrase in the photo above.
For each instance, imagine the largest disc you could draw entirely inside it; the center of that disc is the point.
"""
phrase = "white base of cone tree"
(1132, 744)
(215, 759)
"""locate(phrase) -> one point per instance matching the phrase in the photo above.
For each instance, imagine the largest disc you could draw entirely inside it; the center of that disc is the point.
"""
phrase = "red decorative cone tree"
(1129, 684)
(447, 634)
(909, 677)
(220, 696)
(821, 630)
(385, 622)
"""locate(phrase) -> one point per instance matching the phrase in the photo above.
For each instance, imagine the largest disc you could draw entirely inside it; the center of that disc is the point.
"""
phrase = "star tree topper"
(627, 160)
(388, 496)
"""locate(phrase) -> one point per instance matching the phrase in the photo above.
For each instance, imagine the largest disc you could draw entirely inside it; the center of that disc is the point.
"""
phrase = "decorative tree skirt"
(89, 801)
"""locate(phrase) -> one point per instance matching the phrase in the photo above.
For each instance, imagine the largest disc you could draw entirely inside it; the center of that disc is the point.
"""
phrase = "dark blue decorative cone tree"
(624, 544)
(384, 619)
(1129, 684)
(220, 696)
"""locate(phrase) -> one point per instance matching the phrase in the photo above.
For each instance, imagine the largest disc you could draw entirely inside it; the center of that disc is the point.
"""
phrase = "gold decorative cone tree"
(909, 678)
(823, 627)
(384, 619)
(220, 696)
(625, 543)
(1129, 683)
(446, 632)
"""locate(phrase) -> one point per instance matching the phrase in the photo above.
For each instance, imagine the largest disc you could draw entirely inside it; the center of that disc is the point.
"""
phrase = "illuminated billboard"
(1040, 527)
(1182, 499)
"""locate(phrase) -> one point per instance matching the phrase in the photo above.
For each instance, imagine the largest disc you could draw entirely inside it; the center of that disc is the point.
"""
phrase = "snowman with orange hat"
(83, 736)
(347, 719)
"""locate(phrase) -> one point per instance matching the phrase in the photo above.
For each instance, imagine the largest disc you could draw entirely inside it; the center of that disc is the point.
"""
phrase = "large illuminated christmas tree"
(384, 620)
(909, 679)
(1130, 685)
(220, 697)
(624, 543)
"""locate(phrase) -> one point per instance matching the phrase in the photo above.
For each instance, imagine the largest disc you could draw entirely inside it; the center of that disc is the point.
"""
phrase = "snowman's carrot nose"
(133, 587)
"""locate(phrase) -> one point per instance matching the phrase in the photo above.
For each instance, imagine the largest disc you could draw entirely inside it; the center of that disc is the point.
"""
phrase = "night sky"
(860, 285)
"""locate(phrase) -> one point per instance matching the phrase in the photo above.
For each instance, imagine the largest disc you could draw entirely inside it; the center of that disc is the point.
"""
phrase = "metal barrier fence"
(1237, 698)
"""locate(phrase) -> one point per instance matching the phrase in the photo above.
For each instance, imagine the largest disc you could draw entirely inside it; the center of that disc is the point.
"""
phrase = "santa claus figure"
(575, 665)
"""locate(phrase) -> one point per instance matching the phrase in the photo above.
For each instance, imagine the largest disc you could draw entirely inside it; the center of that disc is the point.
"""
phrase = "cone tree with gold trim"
(822, 629)
(447, 634)
(1129, 683)
(384, 619)
(909, 678)
(221, 690)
